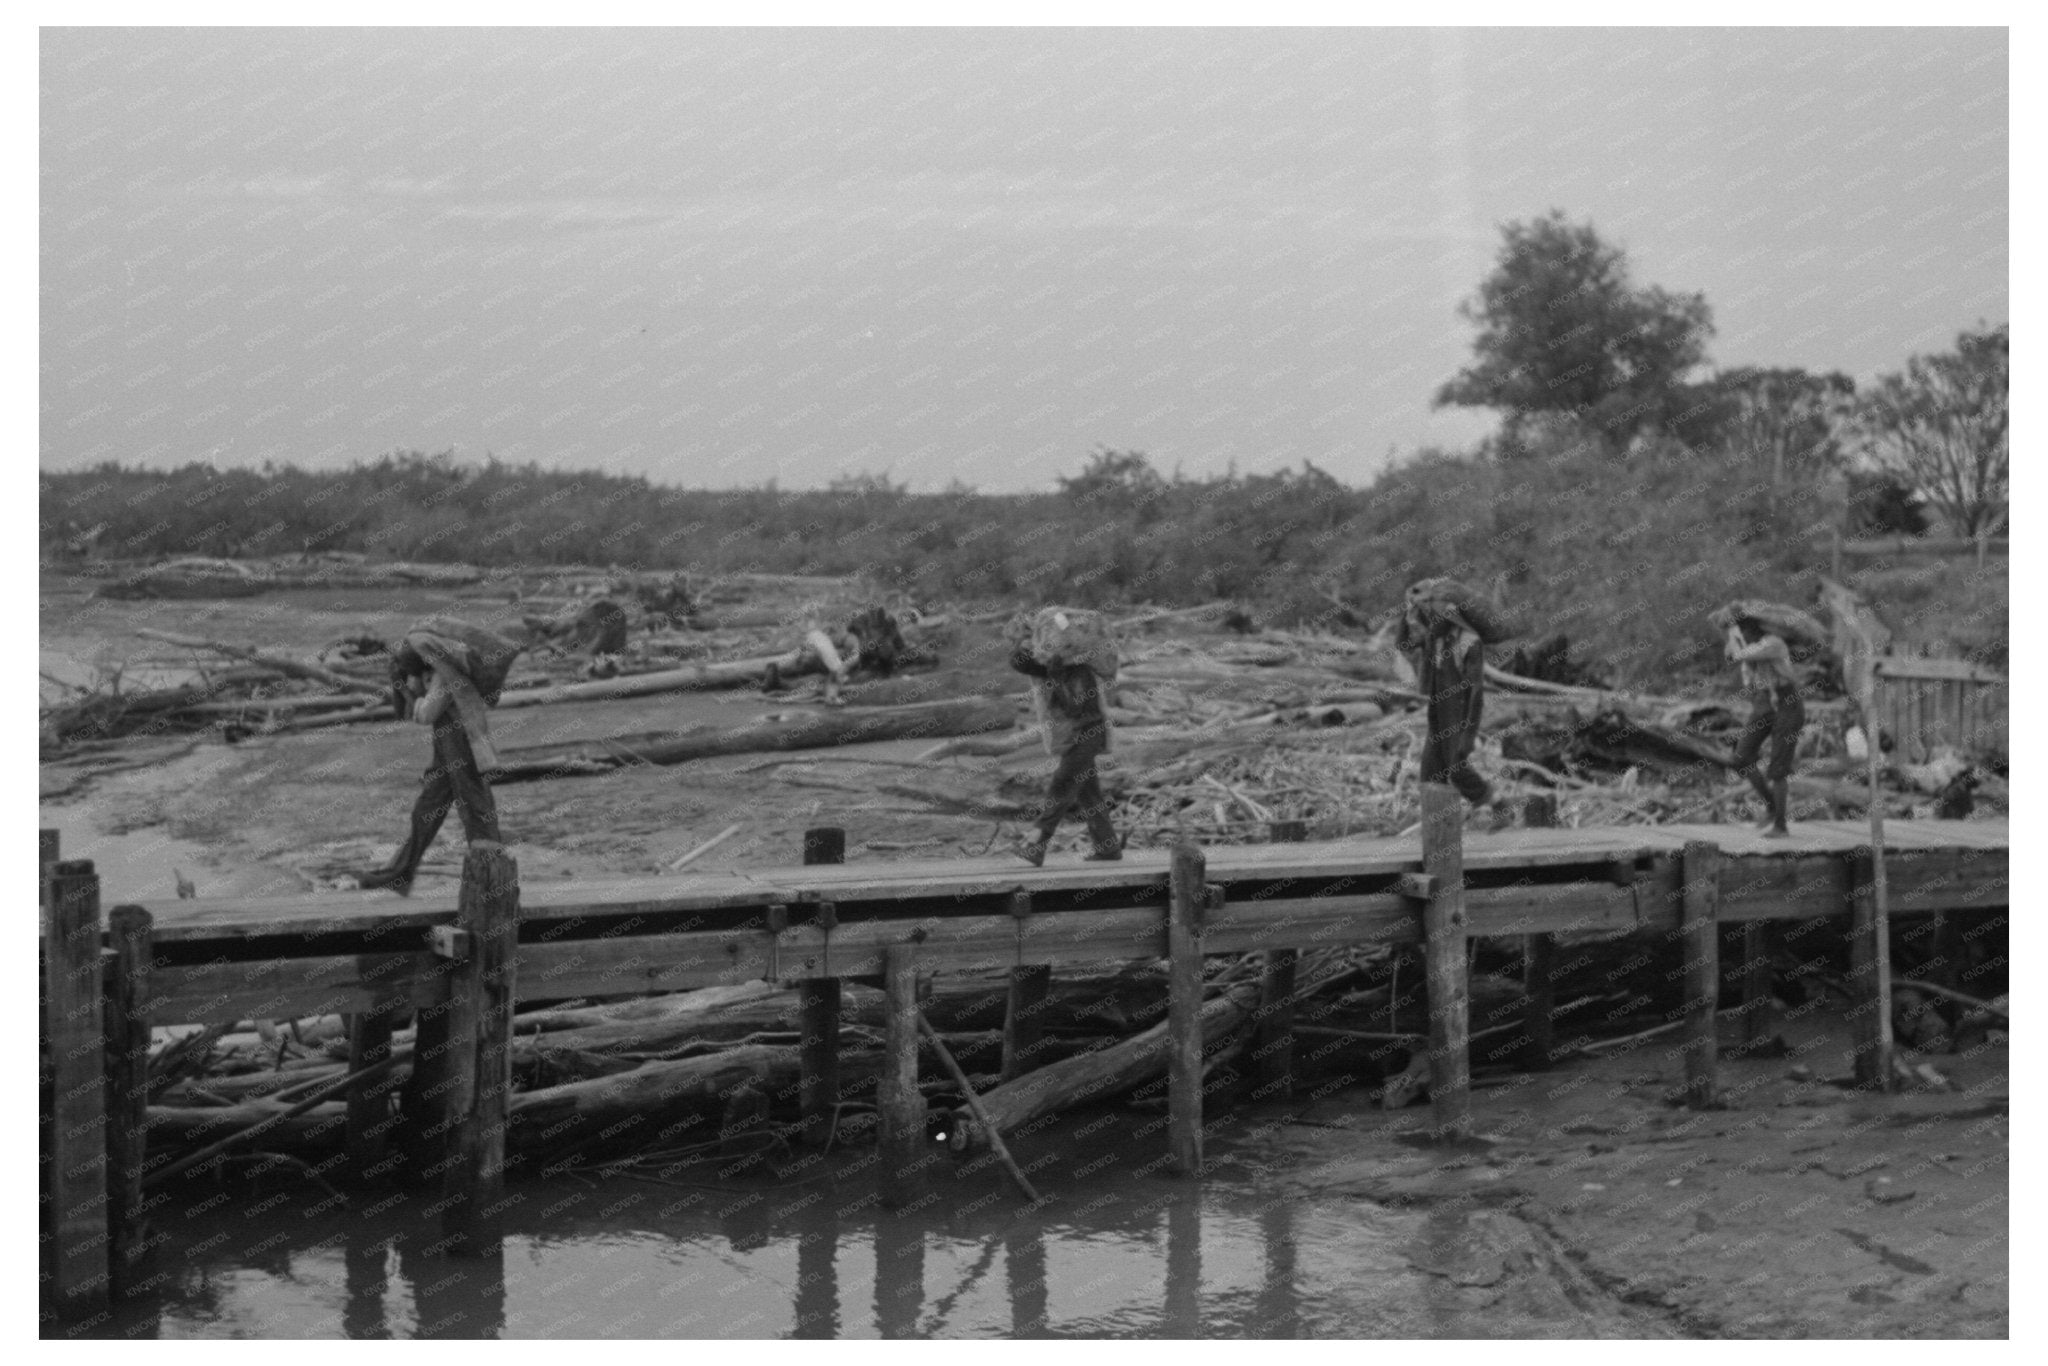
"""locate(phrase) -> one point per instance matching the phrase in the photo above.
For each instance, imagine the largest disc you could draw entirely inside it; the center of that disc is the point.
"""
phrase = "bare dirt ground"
(1803, 1210)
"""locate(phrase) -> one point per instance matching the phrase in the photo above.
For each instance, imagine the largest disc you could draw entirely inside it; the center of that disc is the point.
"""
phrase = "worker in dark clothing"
(1450, 668)
(1777, 712)
(445, 674)
(1077, 729)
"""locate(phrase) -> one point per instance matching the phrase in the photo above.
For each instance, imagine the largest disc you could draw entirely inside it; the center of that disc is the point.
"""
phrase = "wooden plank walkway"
(219, 922)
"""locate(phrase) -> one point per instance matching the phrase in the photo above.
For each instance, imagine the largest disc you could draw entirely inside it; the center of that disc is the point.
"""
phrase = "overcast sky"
(717, 256)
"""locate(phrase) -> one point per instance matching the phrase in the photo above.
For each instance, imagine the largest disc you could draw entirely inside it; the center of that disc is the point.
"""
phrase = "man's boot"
(1109, 846)
(1764, 795)
(1032, 851)
(1779, 810)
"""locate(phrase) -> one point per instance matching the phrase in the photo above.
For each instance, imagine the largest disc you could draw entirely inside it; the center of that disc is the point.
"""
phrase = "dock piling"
(75, 1033)
(1539, 961)
(818, 1000)
(1187, 894)
(480, 1039)
(127, 1063)
(1443, 949)
(900, 1103)
(1868, 968)
(369, 1103)
(1700, 947)
(1273, 1041)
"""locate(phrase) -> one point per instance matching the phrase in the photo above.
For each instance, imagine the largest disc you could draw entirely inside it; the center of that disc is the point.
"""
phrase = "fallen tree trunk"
(777, 732)
(737, 673)
(283, 664)
(1098, 1075)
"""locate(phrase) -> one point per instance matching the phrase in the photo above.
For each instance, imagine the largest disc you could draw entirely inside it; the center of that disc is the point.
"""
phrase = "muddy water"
(1120, 1250)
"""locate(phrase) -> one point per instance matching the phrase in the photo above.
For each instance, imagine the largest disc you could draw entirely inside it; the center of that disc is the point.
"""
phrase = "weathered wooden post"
(1539, 960)
(1273, 1035)
(1443, 950)
(127, 1029)
(369, 1103)
(1187, 894)
(1023, 1010)
(818, 1001)
(46, 858)
(75, 1031)
(1700, 946)
(1757, 1016)
(1869, 970)
(900, 1104)
(480, 1038)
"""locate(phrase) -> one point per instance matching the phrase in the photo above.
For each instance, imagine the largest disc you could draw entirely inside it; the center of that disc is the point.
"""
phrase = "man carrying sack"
(1445, 627)
(1777, 711)
(447, 674)
(1068, 655)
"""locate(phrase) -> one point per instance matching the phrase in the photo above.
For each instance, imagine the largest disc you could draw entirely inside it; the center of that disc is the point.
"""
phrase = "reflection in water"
(454, 1297)
(366, 1260)
(1116, 1252)
(1024, 1266)
(1184, 1265)
(1278, 1311)
(899, 1274)
(817, 1278)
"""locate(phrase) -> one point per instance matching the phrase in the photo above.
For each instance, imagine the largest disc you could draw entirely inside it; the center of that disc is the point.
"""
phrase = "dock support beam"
(127, 1028)
(1187, 893)
(1700, 948)
(1869, 968)
(47, 843)
(1443, 950)
(74, 1029)
(369, 1101)
(818, 1000)
(900, 1103)
(1023, 1022)
(1758, 1018)
(1539, 961)
(1273, 1034)
(480, 1039)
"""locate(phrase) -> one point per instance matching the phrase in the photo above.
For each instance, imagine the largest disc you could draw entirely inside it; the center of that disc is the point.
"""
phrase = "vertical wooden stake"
(127, 1029)
(819, 1002)
(818, 1056)
(1870, 970)
(75, 1028)
(46, 859)
(424, 1096)
(1183, 1308)
(1023, 1017)
(369, 1103)
(480, 1044)
(1757, 1017)
(1443, 948)
(1700, 947)
(1273, 1035)
(1539, 961)
(901, 1104)
(1184, 1006)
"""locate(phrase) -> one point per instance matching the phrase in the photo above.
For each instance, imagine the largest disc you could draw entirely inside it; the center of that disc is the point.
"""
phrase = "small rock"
(1881, 1190)
(1799, 1072)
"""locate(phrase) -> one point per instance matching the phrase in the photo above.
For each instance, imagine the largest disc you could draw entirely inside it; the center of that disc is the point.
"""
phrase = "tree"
(1787, 419)
(1940, 426)
(1562, 330)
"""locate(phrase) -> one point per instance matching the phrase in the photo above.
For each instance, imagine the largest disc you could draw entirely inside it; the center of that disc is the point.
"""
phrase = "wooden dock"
(459, 962)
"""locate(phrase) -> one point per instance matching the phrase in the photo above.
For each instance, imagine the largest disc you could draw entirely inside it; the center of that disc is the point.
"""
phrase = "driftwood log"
(791, 730)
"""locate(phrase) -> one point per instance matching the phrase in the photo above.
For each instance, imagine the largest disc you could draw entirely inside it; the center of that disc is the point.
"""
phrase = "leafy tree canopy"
(1563, 330)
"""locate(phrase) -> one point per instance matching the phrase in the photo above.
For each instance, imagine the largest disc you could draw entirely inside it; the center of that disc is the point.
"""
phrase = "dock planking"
(362, 951)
